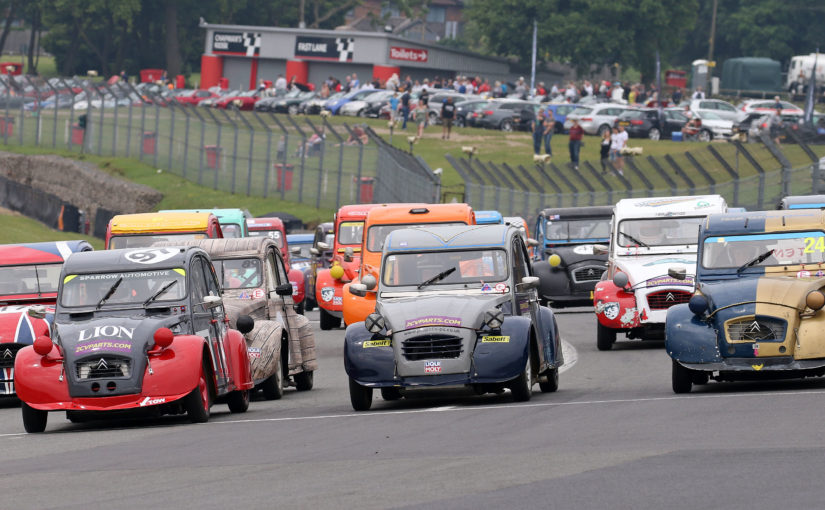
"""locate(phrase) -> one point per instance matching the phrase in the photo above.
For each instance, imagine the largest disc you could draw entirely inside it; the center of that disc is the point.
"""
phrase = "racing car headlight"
(698, 304)
(374, 322)
(494, 318)
(815, 300)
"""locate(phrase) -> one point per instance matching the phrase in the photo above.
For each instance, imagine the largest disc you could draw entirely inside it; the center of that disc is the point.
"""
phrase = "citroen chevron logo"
(670, 297)
(754, 327)
(7, 354)
(102, 365)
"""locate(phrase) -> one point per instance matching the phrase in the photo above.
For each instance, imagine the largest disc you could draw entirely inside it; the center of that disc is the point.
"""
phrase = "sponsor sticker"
(102, 345)
(629, 316)
(495, 340)
(244, 295)
(152, 401)
(583, 249)
(486, 288)
(432, 367)
(377, 343)
(254, 352)
(803, 274)
(258, 293)
(610, 310)
(338, 300)
(432, 320)
(668, 280)
(501, 287)
(150, 255)
(327, 294)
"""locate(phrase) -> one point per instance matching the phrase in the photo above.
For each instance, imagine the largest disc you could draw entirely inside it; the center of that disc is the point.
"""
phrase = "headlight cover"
(494, 318)
(374, 323)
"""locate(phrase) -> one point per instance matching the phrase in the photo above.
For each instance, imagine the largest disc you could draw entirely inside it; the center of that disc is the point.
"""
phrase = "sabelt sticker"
(150, 255)
(803, 274)
(495, 339)
(254, 352)
(432, 367)
(583, 249)
(258, 293)
(432, 320)
(377, 343)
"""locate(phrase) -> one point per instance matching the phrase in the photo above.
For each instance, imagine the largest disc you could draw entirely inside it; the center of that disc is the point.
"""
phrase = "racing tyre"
(328, 321)
(507, 125)
(309, 305)
(390, 394)
(654, 134)
(360, 396)
(293, 109)
(522, 386)
(705, 135)
(299, 309)
(605, 337)
(197, 403)
(272, 386)
(304, 381)
(552, 383)
(238, 401)
(682, 378)
(34, 420)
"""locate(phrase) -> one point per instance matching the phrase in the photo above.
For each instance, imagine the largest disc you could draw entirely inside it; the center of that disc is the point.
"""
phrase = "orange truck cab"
(346, 260)
(139, 230)
(380, 222)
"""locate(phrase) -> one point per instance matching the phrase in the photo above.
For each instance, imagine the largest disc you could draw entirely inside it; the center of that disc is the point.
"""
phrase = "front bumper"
(116, 403)
(772, 364)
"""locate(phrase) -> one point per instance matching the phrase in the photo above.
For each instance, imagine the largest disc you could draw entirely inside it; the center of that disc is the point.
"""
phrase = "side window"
(271, 272)
(211, 278)
(197, 283)
(725, 107)
(520, 269)
(280, 271)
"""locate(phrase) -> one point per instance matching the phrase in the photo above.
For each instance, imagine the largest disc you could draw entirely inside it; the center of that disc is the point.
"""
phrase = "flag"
(811, 96)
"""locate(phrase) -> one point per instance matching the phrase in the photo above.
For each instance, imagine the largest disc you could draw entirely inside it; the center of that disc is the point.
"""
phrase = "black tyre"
(362, 112)
(309, 304)
(552, 383)
(506, 125)
(390, 394)
(238, 401)
(705, 135)
(460, 122)
(273, 386)
(34, 420)
(304, 381)
(654, 134)
(360, 396)
(199, 400)
(603, 128)
(328, 321)
(605, 337)
(293, 109)
(682, 378)
(522, 386)
(558, 128)
(299, 308)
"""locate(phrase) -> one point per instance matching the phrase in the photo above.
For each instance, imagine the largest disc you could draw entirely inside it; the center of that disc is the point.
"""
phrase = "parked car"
(645, 123)
(757, 309)
(506, 115)
(316, 104)
(766, 106)
(194, 97)
(135, 330)
(596, 118)
(465, 109)
(244, 101)
(721, 108)
(368, 106)
(333, 105)
(560, 113)
(289, 103)
(713, 126)
(437, 100)
(456, 306)
(211, 101)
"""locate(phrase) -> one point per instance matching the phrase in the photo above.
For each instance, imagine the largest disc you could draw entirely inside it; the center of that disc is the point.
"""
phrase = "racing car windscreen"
(239, 273)
(768, 249)
(33, 279)
(123, 288)
(141, 241)
(275, 235)
(350, 232)
(589, 230)
(470, 267)
(665, 231)
(232, 230)
(378, 233)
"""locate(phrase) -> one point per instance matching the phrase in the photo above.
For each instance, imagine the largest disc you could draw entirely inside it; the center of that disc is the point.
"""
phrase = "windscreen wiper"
(109, 293)
(633, 239)
(757, 260)
(161, 291)
(438, 277)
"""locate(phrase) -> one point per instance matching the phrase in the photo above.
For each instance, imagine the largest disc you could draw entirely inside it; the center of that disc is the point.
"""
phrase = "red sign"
(409, 54)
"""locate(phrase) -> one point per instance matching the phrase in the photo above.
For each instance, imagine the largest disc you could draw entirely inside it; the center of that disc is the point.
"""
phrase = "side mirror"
(245, 324)
(324, 246)
(369, 281)
(314, 251)
(348, 254)
(210, 302)
(532, 242)
(678, 273)
(295, 250)
(358, 289)
(600, 249)
(284, 289)
(37, 312)
(530, 282)
(620, 279)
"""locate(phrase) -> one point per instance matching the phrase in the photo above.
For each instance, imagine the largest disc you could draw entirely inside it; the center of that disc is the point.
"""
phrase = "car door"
(527, 303)
(208, 323)
(726, 111)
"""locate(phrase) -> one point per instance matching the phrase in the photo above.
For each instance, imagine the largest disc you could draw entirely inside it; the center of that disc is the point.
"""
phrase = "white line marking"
(571, 356)
(12, 435)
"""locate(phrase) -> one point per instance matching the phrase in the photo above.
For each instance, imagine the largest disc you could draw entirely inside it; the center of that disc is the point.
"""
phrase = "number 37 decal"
(150, 255)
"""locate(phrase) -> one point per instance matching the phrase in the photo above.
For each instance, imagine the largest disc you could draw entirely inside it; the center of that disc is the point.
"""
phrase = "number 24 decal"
(814, 244)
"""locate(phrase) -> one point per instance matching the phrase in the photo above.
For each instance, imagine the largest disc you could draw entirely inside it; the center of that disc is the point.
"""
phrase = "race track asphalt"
(614, 436)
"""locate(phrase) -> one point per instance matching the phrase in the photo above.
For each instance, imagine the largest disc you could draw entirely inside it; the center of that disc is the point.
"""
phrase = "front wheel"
(522, 386)
(552, 383)
(682, 378)
(34, 420)
(603, 128)
(304, 381)
(293, 109)
(197, 403)
(460, 122)
(654, 134)
(328, 321)
(362, 112)
(360, 396)
(705, 135)
(299, 309)
(272, 386)
(507, 125)
(238, 401)
(605, 337)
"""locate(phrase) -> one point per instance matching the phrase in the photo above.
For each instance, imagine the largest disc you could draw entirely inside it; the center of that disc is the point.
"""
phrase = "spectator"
(347, 83)
(358, 134)
(631, 97)
(424, 96)
(575, 143)
(421, 117)
(405, 107)
(676, 97)
(621, 143)
(617, 92)
(549, 126)
(394, 106)
(605, 149)
(777, 105)
(698, 93)
(280, 84)
(447, 116)
(355, 83)
(537, 127)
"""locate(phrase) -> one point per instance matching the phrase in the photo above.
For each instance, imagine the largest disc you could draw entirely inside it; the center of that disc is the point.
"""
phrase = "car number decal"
(151, 255)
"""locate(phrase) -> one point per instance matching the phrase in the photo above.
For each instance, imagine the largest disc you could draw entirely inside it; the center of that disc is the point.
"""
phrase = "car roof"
(112, 261)
(447, 238)
(569, 213)
(355, 211)
(388, 214)
(488, 217)
(160, 222)
(40, 253)
(262, 223)
(803, 202)
(670, 206)
(224, 215)
(229, 247)
(764, 221)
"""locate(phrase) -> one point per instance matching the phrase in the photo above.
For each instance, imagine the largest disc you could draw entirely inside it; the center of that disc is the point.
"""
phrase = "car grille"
(103, 367)
(756, 329)
(664, 299)
(431, 347)
(588, 274)
(7, 354)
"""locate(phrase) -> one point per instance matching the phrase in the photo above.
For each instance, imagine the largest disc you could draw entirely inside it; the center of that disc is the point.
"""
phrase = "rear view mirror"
(210, 302)
(295, 250)
(620, 279)
(530, 282)
(314, 251)
(369, 281)
(600, 249)
(677, 273)
(348, 254)
(284, 290)
(358, 289)
(324, 246)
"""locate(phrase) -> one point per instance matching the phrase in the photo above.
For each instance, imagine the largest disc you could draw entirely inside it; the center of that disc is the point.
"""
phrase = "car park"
(135, 329)
(802, 202)
(145, 229)
(29, 277)
(379, 223)
(566, 264)
(596, 118)
(648, 237)
(757, 311)
(646, 123)
(455, 306)
(506, 115)
(254, 283)
(333, 104)
(344, 263)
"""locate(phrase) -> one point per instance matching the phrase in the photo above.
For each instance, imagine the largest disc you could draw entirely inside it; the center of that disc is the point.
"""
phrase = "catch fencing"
(751, 175)
(292, 158)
